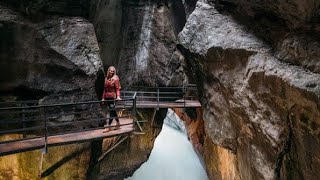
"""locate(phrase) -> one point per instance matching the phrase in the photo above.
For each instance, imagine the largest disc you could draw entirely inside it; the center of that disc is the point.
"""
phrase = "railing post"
(184, 95)
(134, 108)
(45, 149)
(23, 121)
(135, 105)
(158, 99)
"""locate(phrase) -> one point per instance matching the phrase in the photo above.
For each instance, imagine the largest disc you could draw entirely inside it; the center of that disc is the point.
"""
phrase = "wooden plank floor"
(77, 137)
(38, 143)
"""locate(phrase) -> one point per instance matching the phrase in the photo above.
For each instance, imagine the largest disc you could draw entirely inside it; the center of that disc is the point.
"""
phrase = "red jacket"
(111, 88)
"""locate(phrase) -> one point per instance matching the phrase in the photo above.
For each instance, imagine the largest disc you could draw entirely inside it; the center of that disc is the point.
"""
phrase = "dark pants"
(113, 113)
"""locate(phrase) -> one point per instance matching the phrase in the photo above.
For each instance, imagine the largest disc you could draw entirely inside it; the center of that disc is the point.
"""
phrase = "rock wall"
(37, 9)
(149, 30)
(256, 69)
(256, 65)
(194, 123)
(220, 162)
(50, 51)
(53, 58)
(138, 37)
(122, 161)
(106, 17)
(61, 162)
(57, 56)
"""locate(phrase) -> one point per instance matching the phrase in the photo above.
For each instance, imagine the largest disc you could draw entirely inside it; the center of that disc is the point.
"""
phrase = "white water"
(172, 157)
(142, 54)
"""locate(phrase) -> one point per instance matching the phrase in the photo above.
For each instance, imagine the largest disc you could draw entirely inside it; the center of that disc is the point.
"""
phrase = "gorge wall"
(57, 51)
(53, 58)
(257, 68)
(256, 65)
(139, 37)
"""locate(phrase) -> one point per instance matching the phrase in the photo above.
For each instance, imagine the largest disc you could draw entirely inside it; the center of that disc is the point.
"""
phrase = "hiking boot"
(106, 129)
(117, 126)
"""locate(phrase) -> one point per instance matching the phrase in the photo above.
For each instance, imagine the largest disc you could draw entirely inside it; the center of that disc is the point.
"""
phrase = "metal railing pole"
(45, 150)
(23, 121)
(184, 95)
(135, 109)
(158, 99)
(135, 104)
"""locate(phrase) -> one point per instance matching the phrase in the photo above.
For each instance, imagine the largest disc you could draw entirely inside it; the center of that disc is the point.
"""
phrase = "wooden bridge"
(29, 125)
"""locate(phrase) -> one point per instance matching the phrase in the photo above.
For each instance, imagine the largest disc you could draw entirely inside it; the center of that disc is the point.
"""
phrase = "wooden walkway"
(29, 117)
(77, 137)
(174, 104)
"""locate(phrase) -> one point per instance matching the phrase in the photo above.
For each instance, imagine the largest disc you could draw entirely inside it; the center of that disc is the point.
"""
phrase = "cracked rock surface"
(260, 97)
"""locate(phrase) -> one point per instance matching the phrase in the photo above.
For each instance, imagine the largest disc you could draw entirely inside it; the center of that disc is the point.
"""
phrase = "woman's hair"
(115, 71)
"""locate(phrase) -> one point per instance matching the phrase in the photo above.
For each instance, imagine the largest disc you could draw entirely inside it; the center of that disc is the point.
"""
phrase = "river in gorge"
(172, 157)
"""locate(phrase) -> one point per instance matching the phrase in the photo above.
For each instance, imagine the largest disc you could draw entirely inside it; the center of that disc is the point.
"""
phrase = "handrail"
(161, 87)
(62, 104)
(50, 119)
(162, 92)
(45, 120)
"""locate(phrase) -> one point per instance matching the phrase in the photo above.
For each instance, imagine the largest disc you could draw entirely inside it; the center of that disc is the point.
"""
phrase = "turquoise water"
(172, 157)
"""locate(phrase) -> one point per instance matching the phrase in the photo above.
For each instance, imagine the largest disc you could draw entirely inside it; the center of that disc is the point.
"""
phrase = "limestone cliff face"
(260, 90)
(194, 124)
(54, 59)
(106, 16)
(39, 8)
(130, 154)
(220, 163)
(55, 56)
(291, 28)
(62, 162)
(50, 51)
(294, 14)
(256, 65)
(139, 39)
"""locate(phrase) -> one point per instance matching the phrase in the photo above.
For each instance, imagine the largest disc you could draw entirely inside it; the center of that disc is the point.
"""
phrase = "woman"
(111, 93)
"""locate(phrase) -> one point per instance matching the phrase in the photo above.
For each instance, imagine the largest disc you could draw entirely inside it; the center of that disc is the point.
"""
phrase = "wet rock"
(247, 94)
(295, 13)
(53, 60)
(148, 46)
(300, 49)
(36, 8)
(107, 20)
(55, 56)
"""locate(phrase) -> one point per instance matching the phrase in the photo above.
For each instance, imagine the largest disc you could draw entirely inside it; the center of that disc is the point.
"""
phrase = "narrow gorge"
(255, 64)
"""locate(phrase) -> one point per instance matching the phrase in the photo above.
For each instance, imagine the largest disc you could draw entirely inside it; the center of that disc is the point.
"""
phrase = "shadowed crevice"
(62, 161)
